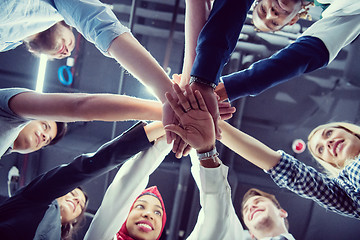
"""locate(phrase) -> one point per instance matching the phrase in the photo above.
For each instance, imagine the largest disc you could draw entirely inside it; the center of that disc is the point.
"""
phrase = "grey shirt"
(10, 123)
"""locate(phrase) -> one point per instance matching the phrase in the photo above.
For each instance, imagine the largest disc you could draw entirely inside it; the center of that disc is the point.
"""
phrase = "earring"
(304, 14)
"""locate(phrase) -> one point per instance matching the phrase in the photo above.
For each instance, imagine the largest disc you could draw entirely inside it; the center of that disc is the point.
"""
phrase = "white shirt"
(339, 26)
(129, 182)
(217, 218)
(287, 235)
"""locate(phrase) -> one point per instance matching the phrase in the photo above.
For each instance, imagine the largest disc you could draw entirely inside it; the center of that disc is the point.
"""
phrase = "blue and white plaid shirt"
(340, 194)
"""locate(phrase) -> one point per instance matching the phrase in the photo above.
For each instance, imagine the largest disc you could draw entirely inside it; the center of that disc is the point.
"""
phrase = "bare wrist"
(210, 163)
(220, 90)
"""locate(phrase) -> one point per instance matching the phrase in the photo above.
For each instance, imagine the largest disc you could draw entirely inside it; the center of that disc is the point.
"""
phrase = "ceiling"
(275, 117)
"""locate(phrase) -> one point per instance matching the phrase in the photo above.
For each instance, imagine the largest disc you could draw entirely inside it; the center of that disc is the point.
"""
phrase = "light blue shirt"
(20, 19)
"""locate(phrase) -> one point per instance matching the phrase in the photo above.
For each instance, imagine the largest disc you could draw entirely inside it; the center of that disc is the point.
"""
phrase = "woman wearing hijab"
(119, 216)
(133, 176)
(147, 217)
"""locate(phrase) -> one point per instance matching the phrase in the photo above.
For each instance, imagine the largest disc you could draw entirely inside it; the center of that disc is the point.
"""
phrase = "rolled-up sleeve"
(93, 19)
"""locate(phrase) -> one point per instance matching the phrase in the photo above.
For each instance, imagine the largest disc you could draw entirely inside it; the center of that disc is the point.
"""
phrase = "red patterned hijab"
(123, 234)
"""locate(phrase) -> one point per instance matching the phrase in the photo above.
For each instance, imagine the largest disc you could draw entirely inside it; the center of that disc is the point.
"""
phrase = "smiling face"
(334, 145)
(71, 205)
(272, 15)
(34, 136)
(63, 42)
(145, 218)
(261, 216)
(56, 42)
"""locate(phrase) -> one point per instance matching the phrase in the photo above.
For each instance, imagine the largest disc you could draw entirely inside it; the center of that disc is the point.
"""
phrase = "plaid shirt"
(340, 194)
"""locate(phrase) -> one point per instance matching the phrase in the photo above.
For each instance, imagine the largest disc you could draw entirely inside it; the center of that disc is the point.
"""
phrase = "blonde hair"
(331, 170)
(304, 12)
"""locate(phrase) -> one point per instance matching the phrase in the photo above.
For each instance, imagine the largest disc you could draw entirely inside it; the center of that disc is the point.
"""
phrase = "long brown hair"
(70, 228)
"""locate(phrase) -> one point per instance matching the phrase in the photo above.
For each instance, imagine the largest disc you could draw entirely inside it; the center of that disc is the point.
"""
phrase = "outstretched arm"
(217, 218)
(68, 107)
(139, 62)
(196, 14)
(62, 179)
(99, 25)
(216, 42)
(306, 54)
(129, 182)
(248, 147)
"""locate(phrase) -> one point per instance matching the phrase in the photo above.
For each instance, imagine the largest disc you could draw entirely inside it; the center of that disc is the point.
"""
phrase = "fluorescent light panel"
(41, 73)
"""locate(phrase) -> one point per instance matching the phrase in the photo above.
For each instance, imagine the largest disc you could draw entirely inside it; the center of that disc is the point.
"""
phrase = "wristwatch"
(199, 80)
(207, 155)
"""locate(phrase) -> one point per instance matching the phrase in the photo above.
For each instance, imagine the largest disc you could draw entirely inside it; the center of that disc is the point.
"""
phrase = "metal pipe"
(121, 84)
(171, 36)
(179, 200)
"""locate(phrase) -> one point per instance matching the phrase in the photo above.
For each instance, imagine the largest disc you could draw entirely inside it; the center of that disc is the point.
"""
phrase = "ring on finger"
(188, 109)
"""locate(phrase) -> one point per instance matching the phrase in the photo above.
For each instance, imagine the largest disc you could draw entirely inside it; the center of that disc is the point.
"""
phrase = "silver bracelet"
(207, 155)
(199, 80)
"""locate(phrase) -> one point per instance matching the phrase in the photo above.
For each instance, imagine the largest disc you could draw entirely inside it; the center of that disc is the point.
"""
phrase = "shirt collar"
(287, 235)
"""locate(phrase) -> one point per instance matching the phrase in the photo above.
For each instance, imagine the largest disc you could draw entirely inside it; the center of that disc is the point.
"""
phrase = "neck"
(272, 232)
(30, 38)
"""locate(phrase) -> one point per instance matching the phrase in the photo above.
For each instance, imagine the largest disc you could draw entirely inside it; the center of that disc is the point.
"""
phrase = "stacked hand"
(180, 147)
(196, 124)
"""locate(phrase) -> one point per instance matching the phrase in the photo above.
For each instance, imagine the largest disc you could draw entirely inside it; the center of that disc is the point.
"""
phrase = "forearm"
(215, 200)
(196, 14)
(88, 166)
(93, 19)
(139, 62)
(305, 55)
(248, 147)
(154, 131)
(108, 107)
(84, 107)
(307, 182)
(218, 38)
(220, 90)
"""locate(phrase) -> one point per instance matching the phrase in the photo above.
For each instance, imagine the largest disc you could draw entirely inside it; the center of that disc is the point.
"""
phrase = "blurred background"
(276, 117)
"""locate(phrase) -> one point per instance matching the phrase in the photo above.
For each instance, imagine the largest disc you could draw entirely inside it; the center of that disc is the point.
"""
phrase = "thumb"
(175, 129)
